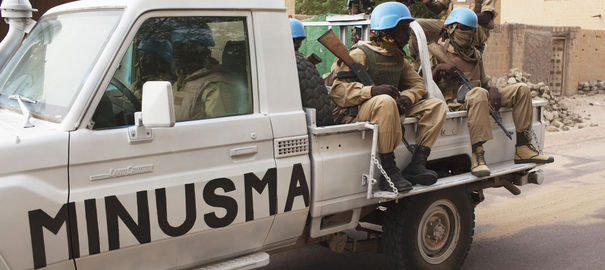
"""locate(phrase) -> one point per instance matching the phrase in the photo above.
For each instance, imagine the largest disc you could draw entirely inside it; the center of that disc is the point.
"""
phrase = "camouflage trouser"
(382, 110)
(516, 96)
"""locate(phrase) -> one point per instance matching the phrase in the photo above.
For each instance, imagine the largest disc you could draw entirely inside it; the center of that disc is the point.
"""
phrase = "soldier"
(312, 90)
(298, 33)
(457, 53)
(154, 62)
(398, 92)
(203, 88)
(485, 10)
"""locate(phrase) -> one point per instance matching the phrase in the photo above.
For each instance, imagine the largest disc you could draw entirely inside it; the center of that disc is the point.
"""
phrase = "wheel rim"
(439, 231)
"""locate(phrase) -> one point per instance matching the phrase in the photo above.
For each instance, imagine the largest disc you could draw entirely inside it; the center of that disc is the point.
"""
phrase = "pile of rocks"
(591, 88)
(558, 113)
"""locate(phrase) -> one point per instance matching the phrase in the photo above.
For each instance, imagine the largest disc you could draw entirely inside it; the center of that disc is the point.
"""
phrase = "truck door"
(182, 195)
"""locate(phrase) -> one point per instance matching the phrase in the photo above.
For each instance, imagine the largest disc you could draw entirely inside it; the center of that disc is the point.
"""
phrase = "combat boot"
(478, 166)
(416, 172)
(389, 165)
(525, 152)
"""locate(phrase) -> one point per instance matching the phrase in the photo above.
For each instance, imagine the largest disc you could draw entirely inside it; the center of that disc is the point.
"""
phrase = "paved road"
(558, 225)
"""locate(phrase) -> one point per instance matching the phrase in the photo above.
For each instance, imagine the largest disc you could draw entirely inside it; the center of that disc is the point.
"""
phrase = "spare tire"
(313, 92)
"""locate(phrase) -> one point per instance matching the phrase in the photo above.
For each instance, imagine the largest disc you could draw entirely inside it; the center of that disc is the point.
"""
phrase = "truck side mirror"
(157, 110)
(158, 104)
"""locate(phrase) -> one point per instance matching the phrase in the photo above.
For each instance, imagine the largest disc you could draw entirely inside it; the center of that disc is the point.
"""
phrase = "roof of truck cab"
(144, 5)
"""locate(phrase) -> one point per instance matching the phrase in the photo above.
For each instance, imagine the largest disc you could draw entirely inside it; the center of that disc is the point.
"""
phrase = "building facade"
(587, 14)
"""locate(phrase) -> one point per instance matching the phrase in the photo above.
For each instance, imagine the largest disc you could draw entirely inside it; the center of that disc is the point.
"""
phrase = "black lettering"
(114, 210)
(298, 177)
(160, 198)
(92, 226)
(39, 219)
(251, 181)
(212, 199)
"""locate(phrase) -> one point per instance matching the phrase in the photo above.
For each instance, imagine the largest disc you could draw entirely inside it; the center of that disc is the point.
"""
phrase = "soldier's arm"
(411, 84)
(488, 12)
(217, 100)
(437, 6)
(348, 92)
(489, 6)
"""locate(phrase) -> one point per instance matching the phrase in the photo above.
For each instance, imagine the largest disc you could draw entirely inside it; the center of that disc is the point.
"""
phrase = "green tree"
(316, 7)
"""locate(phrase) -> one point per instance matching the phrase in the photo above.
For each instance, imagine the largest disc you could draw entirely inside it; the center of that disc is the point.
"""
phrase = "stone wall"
(526, 47)
(587, 59)
(587, 14)
(530, 48)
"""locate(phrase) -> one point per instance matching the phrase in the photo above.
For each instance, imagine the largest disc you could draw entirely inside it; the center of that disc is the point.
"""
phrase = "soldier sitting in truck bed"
(154, 62)
(312, 90)
(456, 52)
(398, 91)
(203, 89)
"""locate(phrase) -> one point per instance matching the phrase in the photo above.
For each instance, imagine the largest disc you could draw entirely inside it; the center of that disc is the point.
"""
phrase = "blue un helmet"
(388, 15)
(462, 16)
(297, 28)
(160, 46)
(200, 34)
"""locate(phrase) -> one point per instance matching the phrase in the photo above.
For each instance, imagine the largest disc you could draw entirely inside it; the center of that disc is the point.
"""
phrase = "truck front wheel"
(429, 231)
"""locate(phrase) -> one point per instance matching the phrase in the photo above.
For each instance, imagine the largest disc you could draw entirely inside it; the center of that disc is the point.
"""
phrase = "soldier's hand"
(403, 104)
(447, 70)
(495, 99)
(385, 89)
(483, 18)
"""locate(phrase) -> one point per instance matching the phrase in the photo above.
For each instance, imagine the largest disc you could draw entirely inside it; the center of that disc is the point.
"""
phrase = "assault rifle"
(461, 95)
(334, 45)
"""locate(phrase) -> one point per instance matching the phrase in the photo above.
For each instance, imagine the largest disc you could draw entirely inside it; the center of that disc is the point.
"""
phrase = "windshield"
(54, 61)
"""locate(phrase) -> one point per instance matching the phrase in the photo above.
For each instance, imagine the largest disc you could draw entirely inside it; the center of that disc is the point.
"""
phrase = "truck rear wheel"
(430, 231)
(313, 91)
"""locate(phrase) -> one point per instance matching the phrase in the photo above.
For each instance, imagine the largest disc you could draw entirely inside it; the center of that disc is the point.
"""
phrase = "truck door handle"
(243, 151)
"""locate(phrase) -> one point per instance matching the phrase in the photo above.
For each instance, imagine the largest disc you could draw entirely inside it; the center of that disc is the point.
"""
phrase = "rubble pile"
(591, 88)
(558, 114)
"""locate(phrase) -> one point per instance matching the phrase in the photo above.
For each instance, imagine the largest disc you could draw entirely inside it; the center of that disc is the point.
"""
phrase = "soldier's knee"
(436, 105)
(385, 101)
(477, 95)
(523, 90)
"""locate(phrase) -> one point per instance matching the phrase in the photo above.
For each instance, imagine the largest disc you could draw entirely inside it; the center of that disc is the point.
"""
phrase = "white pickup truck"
(88, 181)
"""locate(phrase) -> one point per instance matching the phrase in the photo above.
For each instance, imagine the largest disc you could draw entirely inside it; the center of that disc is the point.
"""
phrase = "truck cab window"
(206, 59)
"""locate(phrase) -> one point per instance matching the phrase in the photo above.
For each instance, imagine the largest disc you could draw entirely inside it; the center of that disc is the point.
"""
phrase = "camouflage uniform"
(477, 6)
(382, 109)
(517, 96)
(432, 27)
(208, 93)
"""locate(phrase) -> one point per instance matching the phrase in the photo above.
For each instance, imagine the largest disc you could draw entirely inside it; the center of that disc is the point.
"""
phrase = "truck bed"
(341, 155)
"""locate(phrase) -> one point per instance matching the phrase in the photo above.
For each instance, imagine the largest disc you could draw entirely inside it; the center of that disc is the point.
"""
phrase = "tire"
(407, 241)
(313, 92)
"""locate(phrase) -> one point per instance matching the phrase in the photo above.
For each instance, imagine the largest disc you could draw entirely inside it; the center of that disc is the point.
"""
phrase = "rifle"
(334, 45)
(461, 96)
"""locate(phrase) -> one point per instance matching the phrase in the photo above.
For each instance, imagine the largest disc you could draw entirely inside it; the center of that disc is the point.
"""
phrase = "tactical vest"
(471, 70)
(382, 68)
